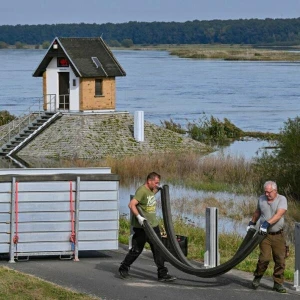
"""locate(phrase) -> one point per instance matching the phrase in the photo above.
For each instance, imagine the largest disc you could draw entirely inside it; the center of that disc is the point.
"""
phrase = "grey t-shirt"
(269, 210)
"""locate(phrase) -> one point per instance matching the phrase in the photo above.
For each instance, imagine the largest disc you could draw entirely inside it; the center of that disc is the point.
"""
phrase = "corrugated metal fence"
(59, 213)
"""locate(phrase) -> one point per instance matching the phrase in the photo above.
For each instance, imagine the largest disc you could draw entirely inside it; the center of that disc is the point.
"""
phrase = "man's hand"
(251, 225)
(141, 219)
(264, 228)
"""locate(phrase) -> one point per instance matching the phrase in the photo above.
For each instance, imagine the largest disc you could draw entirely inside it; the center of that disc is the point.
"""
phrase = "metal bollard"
(297, 257)
(131, 230)
(211, 256)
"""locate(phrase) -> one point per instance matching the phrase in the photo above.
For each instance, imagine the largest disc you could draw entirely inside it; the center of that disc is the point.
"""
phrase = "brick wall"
(88, 100)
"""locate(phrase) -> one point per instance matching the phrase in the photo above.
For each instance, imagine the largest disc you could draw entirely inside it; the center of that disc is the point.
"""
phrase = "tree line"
(242, 31)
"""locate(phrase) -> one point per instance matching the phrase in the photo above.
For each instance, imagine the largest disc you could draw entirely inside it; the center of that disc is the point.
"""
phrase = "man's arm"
(280, 212)
(132, 206)
(256, 216)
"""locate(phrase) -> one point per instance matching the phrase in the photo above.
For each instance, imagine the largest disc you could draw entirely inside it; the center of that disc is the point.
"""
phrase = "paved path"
(97, 274)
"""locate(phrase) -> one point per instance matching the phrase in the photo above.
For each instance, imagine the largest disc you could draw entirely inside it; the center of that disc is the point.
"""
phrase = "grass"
(225, 52)
(228, 245)
(189, 170)
(18, 286)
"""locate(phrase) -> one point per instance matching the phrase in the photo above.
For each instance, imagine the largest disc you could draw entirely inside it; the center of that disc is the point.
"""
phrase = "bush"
(5, 117)
(3, 45)
(213, 130)
(171, 125)
(127, 43)
(114, 43)
(283, 164)
(19, 45)
(46, 45)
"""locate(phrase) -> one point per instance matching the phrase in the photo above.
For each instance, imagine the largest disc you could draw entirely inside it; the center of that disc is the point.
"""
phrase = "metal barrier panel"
(58, 214)
(297, 257)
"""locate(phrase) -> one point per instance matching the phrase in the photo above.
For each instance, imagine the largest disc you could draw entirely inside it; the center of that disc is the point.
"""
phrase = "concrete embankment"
(100, 135)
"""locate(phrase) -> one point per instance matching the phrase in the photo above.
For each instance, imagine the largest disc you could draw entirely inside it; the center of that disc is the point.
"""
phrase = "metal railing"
(25, 118)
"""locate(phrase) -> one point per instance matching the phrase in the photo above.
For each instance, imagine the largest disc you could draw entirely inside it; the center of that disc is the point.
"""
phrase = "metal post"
(211, 256)
(131, 229)
(77, 217)
(12, 221)
(297, 257)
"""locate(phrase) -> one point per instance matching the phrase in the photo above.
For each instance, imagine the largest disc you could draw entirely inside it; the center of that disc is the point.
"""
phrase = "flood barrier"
(58, 212)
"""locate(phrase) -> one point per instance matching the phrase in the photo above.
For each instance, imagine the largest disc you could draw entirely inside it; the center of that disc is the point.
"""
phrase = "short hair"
(153, 175)
(272, 184)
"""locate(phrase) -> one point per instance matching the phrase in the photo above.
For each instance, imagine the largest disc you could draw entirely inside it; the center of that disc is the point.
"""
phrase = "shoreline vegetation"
(209, 51)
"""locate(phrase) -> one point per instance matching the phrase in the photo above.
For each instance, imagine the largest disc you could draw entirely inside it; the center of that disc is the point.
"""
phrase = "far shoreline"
(211, 51)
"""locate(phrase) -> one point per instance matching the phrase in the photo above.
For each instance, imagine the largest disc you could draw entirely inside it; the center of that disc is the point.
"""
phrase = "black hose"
(167, 217)
(174, 245)
(248, 246)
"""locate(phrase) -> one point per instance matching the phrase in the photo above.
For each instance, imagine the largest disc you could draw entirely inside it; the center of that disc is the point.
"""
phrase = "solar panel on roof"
(96, 62)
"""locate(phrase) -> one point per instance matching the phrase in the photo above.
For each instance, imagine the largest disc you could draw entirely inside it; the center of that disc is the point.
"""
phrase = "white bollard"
(139, 126)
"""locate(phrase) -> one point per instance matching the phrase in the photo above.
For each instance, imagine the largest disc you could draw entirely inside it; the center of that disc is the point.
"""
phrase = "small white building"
(79, 75)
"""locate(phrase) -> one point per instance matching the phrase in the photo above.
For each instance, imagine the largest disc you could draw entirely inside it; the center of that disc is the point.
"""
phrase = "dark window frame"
(98, 87)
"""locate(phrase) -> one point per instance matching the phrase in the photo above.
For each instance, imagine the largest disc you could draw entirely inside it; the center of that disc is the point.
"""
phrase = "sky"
(13, 12)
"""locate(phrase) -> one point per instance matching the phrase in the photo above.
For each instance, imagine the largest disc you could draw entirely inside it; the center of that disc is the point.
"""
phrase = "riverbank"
(229, 52)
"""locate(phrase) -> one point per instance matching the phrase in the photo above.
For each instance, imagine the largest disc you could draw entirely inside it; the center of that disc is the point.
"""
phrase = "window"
(98, 87)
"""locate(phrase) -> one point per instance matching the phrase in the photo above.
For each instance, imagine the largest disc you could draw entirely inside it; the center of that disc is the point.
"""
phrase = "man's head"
(270, 189)
(153, 181)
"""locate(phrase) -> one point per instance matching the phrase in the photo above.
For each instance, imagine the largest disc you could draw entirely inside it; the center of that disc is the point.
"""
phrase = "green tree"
(114, 43)
(46, 45)
(283, 164)
(127, 43)
(5, 117)
(19, 45)
(3, 45)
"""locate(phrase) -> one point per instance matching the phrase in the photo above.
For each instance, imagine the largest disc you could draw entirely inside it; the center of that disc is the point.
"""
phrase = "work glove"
(251, 225)
(263, 230)
(141, 219)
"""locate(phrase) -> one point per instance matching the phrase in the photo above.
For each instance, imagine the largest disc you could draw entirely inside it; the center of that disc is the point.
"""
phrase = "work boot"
(123, 270)
(256, 281)
(279, 288)
(166, 277)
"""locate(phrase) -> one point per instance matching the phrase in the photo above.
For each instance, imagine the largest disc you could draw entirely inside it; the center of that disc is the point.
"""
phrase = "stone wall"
(101, 135)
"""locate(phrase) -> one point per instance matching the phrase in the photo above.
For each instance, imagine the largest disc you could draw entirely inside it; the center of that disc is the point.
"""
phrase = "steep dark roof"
(79, 52)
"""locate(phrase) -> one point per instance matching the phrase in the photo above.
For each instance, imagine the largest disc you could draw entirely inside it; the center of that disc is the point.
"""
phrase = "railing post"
(297, 257)
(211, 256)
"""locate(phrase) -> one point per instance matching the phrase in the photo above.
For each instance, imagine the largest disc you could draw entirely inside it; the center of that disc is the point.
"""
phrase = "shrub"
(5, 117)
(127, 43)
(213, 130)
(283, 164)
(3, 45)
(171, 125)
